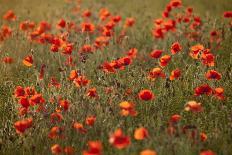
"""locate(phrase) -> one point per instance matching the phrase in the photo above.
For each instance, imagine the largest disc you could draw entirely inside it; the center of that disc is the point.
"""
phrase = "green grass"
(171, 96)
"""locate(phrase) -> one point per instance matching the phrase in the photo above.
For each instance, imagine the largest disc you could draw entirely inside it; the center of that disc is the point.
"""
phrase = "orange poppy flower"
(104, 13)
(5, 32)
(81, 81)
(30, 91)
(95, 148)
(9, 15)
(86, 49)
(56, 149)
(195, 51)
(108, 67)
(26, 25)
(156, 73)
(92, 92)
(203, 89)
(56, 132)
(127, 108)
(69, 150)
(119, 140)
(132, 53)
(219, 93)
(22, 125)
(176, 47)
(156, 54)
(212, 74)
(28, 61)
(148, 152)
(175, 74)
(164, 60)
(36, 99)
(203, 136)
(73, 75)
(87, 27)
(101, 42)
(22, 111)
(146, 95)
(79, 127)
(141, 133)
(90, 120)
(193, 106)
(207, 152)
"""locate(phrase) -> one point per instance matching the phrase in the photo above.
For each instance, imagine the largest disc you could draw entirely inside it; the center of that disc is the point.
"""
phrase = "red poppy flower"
(69, 150)
(95, 148)
(61, 23)
(119, 140)
(129, 22)
(203, 89)
(56, 117)
(203, 136)
(56, 132)
(90, 120)
(87, 27)
(92, 92)
(175, 74)
(64, 104)
(132, 53)
(208, 59)
(212, 74)
(81, 81)
(146, 95)
(9, 15)
(86, 13)
(19, 92)
(227, 14)
(24, 102)
(175, 118)
(207, 152)
(7, 60)
(156, 54)
(22, 125)
(176, 47)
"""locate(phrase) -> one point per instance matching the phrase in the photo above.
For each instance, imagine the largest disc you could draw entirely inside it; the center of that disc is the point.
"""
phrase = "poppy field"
(116, 77)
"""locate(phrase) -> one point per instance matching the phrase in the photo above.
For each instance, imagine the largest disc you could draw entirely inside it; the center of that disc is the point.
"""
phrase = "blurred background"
(41, 9)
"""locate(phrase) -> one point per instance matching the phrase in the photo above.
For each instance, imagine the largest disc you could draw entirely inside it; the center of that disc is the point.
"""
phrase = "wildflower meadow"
(116, 77)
